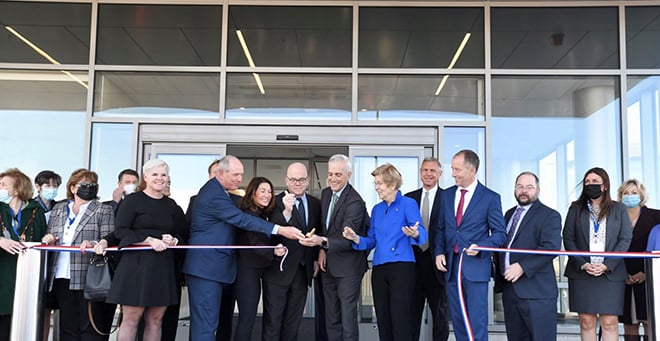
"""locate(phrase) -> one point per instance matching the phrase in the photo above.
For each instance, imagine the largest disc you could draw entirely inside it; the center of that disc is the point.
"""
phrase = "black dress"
(648, 218)
(146, 278)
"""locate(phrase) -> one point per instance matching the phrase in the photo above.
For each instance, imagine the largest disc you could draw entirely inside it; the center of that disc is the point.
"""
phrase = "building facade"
(551, 87)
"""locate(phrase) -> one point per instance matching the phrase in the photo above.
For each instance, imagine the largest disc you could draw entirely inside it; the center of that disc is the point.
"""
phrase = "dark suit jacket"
(617, 239)
(433, 221)
(540, 229)
(296, 251)
(482, 224)
(648, 218)
(214, 220)
(342, 260)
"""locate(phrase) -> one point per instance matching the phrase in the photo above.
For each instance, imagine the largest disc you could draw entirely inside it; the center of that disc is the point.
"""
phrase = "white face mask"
(5, 197)
(130, 188)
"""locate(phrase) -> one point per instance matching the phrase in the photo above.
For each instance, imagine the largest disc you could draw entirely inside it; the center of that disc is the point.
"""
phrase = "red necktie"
(459, 214)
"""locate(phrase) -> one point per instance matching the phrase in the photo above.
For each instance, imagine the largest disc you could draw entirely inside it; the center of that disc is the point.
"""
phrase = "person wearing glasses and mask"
(21, 220)
(81, 218)
(596, 284)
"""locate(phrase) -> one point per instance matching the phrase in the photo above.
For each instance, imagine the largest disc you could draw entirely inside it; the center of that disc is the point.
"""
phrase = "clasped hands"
(594, 269)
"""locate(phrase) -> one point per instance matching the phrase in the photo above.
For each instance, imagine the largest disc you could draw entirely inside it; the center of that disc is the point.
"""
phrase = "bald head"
(297, 180)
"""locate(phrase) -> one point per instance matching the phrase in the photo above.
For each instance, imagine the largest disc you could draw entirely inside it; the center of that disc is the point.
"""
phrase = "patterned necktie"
(301, 212)
(425, 219)
(333, 203)
(459, 215)
(509, 236)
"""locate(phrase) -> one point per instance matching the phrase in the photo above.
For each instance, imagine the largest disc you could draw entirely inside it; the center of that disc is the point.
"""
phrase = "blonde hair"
(640, 188)
(389, 174)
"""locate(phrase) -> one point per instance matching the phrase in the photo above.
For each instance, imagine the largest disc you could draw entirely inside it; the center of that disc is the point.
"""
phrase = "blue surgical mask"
(5, 197)
(49, 193)
(631, 200)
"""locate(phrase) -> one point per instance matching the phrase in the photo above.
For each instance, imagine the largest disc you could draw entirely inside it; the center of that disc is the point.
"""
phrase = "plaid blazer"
(97, 221)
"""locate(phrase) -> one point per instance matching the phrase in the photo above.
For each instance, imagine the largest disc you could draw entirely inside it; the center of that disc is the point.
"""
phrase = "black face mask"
(87, 192)
(593, 191)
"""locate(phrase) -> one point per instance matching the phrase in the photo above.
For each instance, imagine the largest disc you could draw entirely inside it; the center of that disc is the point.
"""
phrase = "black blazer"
(296, 251)
(540, 229)
(648, 218)
(342, 260)
(433, 221)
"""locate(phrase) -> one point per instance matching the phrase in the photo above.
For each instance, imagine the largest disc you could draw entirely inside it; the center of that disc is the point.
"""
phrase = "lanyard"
(593, 217)
(16, 218)
(68, 216)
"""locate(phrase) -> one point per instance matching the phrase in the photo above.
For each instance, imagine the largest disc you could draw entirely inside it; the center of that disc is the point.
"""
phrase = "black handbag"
(98, 280)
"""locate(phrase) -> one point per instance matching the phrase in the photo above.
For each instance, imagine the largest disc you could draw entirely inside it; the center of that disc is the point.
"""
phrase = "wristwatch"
(324, 243)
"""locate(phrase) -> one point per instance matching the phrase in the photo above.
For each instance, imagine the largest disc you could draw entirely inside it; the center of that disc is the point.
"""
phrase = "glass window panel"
(457, 139)
(188, 173)
(555, 38)
(643, 131)
(421, 37)
(406, 97)
(171, 94)
(290, 36)
(112, 152)
(44, 120)
(159, 35)
(642, 36)
(59, 30)
(290, 96)
(549, 125)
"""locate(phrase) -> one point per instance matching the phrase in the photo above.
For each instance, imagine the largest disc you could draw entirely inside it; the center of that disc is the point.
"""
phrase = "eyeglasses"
(297, 181)
(528, 187)
(88, 184)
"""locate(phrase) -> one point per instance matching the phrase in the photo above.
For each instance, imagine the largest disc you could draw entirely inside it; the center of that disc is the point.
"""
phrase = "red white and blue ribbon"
(466, 320)
(61, 248)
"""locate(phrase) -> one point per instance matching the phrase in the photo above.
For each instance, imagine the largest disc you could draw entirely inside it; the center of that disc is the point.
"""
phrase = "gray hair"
(225, 162)
(348, 166)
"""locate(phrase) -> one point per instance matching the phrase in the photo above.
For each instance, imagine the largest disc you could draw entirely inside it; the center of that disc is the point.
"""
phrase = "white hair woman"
(144, 283)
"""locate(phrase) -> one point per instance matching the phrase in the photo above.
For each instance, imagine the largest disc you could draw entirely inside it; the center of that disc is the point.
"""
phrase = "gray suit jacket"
(342, 260)
(97, 221)
(617, 239)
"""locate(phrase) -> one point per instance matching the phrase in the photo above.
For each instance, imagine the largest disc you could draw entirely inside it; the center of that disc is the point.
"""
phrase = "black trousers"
(319, 316)
(393, 285)
(74, 323)
(247, 289)
(283, 308)
(429, 287)
(5, 327)
(226, 316)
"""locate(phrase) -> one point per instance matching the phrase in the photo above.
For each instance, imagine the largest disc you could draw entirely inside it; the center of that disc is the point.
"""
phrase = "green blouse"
(33, 228)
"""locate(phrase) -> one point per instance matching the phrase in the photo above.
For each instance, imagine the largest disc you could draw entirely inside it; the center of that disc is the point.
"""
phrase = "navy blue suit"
(530, 303)
(482, 224)
(213, 221)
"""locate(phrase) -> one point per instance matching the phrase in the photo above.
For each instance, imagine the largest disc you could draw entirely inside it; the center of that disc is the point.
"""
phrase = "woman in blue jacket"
(395, 228)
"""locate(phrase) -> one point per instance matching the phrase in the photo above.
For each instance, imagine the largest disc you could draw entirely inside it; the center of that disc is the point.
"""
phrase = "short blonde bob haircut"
(640, 188)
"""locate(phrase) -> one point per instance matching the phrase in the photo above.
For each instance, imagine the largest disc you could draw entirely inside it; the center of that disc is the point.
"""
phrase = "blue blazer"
(213, 221)
(540, 229)
(482, 224)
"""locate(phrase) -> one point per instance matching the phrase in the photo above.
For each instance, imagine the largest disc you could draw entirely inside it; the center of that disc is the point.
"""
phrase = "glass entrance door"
(188, 164)
(407, 160)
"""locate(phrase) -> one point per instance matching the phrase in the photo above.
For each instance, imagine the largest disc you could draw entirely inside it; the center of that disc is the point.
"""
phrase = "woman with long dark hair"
(596, 284)
(252, 264)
